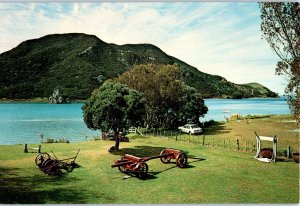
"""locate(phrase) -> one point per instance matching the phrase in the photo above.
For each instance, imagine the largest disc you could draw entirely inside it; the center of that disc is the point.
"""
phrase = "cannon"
(138, 165)
(53, 166)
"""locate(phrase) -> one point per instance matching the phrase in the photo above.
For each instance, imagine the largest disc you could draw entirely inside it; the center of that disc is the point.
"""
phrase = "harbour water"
(220, 108)
(22, 123)
(25, 123)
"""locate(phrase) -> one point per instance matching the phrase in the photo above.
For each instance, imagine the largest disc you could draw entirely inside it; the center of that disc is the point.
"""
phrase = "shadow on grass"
(213, 128)
(148, 151)
(37, 189)
(152, 174)
(140, 151)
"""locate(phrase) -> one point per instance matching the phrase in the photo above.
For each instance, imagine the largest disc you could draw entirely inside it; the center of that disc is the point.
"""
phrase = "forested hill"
(76, 62)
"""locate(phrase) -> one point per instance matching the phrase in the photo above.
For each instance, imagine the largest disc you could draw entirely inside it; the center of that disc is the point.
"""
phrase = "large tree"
(114, 106)
(165, 94)
(280, 25)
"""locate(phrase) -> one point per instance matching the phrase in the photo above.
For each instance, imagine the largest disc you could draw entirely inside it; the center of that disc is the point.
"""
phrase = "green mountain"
(76, 62)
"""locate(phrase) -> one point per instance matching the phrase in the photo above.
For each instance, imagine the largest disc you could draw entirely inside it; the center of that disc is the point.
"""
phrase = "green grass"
(214, 175)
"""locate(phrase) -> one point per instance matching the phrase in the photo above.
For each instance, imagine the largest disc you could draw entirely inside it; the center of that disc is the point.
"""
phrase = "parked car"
(190, 129)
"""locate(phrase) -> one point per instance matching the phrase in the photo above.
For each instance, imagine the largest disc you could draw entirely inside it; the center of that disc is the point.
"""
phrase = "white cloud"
(217, 38)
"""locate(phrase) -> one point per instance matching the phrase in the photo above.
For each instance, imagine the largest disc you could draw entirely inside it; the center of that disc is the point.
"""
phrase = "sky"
(221, 38)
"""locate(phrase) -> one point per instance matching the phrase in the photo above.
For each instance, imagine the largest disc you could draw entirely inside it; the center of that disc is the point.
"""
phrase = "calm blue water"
(24, 122)
(218, 108)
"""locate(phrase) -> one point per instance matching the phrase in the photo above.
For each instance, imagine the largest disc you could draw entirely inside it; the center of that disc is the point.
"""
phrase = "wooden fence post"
(25, 149)
(238, 144)
(40, 147)
(288, 151)
(203, 140)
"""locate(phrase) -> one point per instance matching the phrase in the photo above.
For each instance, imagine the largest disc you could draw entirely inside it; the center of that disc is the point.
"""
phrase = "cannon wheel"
(181, 160)
(142, 170)
(164, 159)
(47, 163)
(122, 168)
(41, 158)
(47, 166)
(51, 167)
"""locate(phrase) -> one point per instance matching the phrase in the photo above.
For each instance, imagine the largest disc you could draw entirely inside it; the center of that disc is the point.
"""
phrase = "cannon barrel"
(144, 159)
(120, 163)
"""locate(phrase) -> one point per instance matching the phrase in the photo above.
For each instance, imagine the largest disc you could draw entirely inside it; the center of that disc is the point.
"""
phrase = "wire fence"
(238, 144)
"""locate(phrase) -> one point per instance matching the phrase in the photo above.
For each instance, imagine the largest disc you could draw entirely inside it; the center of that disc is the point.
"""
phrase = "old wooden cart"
(138, 165)
(53, 166)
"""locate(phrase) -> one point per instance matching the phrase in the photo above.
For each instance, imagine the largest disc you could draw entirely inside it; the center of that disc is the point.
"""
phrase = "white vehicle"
(190, 129)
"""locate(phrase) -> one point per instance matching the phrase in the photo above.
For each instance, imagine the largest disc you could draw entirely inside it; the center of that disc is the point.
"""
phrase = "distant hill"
(76, 62)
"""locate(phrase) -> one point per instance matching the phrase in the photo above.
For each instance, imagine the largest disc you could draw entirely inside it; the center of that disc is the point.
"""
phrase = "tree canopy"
(169, 101)
(114, 106)
(280, 25)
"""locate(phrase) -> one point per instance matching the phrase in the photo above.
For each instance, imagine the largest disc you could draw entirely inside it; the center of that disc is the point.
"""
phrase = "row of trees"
(150, 95)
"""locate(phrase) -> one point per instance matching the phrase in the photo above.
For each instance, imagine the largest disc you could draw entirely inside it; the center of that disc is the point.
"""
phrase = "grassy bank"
(34, 100)
(214, 175)
(226, 134)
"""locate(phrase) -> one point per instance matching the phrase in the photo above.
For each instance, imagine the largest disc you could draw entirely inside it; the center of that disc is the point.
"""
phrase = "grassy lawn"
(214, 175)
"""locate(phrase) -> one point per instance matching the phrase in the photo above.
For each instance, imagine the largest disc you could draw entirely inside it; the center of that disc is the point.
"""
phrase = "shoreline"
(285, 118)
(35, 100)
(46, 101)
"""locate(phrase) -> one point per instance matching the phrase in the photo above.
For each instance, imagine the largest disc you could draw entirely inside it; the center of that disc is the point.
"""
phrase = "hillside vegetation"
(76, 64)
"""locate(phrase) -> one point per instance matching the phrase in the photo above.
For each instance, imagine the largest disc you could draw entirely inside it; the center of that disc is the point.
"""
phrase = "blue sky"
(220, 38)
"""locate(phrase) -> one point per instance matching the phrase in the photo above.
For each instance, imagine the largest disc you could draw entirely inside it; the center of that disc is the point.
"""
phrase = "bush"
(96, 138)
(51, 140)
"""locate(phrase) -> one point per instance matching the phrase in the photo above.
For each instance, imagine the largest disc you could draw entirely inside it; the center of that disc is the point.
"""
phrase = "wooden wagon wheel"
(47, 163)
(181, 160)
(41, 158)
(46, 166)
(122, 168)
(142, 170)
(51, 167)
(164, 159)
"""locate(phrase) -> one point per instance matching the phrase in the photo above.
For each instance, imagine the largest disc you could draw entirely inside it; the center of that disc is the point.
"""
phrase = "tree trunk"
(117, 140)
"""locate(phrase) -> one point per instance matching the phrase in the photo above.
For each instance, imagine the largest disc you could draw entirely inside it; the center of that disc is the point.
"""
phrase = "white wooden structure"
(274, 140)
(135, 130)
(36, 149)
(132, 130)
